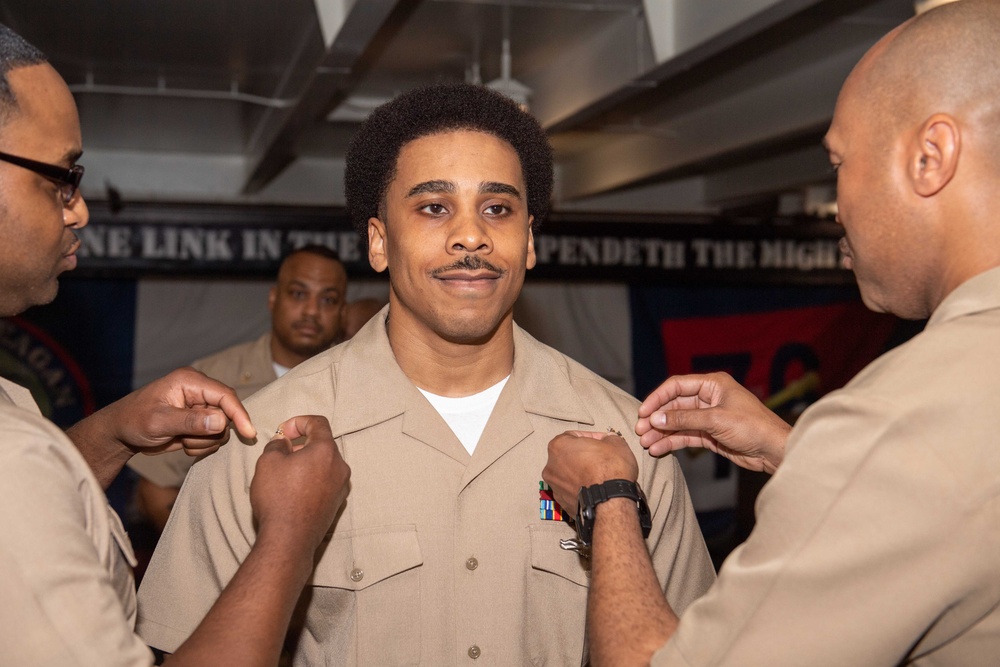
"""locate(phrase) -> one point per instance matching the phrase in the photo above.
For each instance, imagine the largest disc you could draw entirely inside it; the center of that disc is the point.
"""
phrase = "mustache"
(469, 263)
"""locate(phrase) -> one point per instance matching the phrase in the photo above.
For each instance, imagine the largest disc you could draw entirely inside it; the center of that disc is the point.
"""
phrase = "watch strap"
(592, 496)
(613, 488)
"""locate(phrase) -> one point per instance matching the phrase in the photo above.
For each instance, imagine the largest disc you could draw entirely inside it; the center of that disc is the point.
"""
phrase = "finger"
(596, 435)
(659, 444)
(674, 387)
(313, 427)
(698, 419)
(237, 414)
(170, 422)
(201, 449)
(201, 390)
(610, 438)
(277, 446)
(195, 444)
(662, 447)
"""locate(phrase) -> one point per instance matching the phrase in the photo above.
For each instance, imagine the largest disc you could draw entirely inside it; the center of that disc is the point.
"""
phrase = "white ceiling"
(656, 106)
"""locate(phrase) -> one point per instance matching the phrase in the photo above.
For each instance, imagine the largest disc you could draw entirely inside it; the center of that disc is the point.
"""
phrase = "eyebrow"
(432, 186)
(494, 188)
(72, 156)
(300, 283)
(447, 187)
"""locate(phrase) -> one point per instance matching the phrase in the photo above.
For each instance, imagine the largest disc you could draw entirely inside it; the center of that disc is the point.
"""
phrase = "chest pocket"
(556, 612)
(366, 589)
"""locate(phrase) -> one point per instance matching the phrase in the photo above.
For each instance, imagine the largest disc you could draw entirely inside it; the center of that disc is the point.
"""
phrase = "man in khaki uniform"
(877, 539)
(65, 576)
(308, 312)
(443, 408)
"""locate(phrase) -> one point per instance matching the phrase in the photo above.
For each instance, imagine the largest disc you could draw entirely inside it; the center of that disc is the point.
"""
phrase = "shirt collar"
(979, 293)
(375, 389)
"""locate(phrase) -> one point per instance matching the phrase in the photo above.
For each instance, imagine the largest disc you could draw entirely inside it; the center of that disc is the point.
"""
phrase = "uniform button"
(472, 563)
(357, 574)
(474, 652)
(246, 376)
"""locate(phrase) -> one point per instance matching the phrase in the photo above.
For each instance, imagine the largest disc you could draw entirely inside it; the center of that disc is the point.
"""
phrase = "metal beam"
(330, 82)
(781, 173)
(798, 102)
(727, 41)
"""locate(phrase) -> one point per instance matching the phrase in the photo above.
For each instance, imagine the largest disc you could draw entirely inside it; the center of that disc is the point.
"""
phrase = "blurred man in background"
(308, 308)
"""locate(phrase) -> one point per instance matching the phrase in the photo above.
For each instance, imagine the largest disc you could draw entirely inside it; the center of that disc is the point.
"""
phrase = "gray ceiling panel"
(733, 117)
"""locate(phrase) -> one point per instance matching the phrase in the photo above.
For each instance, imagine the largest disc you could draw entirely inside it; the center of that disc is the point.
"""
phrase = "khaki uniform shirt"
(67, 596)
(878, 540)
(246, 368)
(438, 557)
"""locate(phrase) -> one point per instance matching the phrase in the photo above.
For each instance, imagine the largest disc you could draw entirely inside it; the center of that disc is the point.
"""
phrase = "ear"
(531, 259)
(934, 160)
(271, 296)
(376, 245)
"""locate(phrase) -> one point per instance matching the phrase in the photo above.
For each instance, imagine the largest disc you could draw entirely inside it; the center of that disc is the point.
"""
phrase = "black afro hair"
(372, 155)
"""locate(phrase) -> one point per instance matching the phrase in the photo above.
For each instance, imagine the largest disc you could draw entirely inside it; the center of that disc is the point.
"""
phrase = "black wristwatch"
(592, 496)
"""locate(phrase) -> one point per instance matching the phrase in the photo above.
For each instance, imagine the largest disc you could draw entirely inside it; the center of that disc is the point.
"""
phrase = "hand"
(185, 409)
(584, 458)
(300, 488)
(715, 412)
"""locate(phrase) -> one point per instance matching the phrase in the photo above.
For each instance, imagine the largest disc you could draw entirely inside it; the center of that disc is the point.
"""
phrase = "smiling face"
(37, 242)
(455, 235)
(307, 307)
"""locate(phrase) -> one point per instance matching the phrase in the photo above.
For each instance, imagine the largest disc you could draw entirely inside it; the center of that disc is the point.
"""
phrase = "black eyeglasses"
(68, 180)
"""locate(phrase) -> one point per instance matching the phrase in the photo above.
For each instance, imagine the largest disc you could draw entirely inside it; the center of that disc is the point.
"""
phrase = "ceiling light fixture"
(506, 84)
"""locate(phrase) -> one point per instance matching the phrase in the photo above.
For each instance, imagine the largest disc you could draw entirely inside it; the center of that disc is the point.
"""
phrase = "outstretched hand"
(715, 412)
(183, 410)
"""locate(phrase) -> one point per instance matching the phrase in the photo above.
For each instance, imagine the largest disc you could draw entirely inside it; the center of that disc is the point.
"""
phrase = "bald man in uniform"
(878, 538)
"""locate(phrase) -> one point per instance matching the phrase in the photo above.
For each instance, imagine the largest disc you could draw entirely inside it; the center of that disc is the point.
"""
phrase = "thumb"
(191, 422)
(279, 446)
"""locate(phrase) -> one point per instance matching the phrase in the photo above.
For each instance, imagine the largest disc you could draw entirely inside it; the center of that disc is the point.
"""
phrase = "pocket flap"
(548, 556)
(358, 559)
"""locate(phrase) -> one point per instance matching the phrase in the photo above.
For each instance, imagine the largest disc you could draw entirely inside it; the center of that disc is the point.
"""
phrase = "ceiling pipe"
(183, 93)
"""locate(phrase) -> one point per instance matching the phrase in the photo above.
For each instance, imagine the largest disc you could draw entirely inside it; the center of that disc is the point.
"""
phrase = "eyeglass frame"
(61, 175)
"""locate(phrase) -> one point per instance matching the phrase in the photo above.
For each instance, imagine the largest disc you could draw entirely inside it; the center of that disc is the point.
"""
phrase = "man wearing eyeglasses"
(65, 581)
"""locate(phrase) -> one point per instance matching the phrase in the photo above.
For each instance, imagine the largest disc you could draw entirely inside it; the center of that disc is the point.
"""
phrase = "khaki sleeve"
(209, 534)
(59, 605)
(861, 528)
(167, 470)
(677, 548)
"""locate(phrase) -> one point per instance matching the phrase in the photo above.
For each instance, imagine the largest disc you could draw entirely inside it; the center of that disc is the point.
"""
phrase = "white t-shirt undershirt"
(467, 416)
(279, 370)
